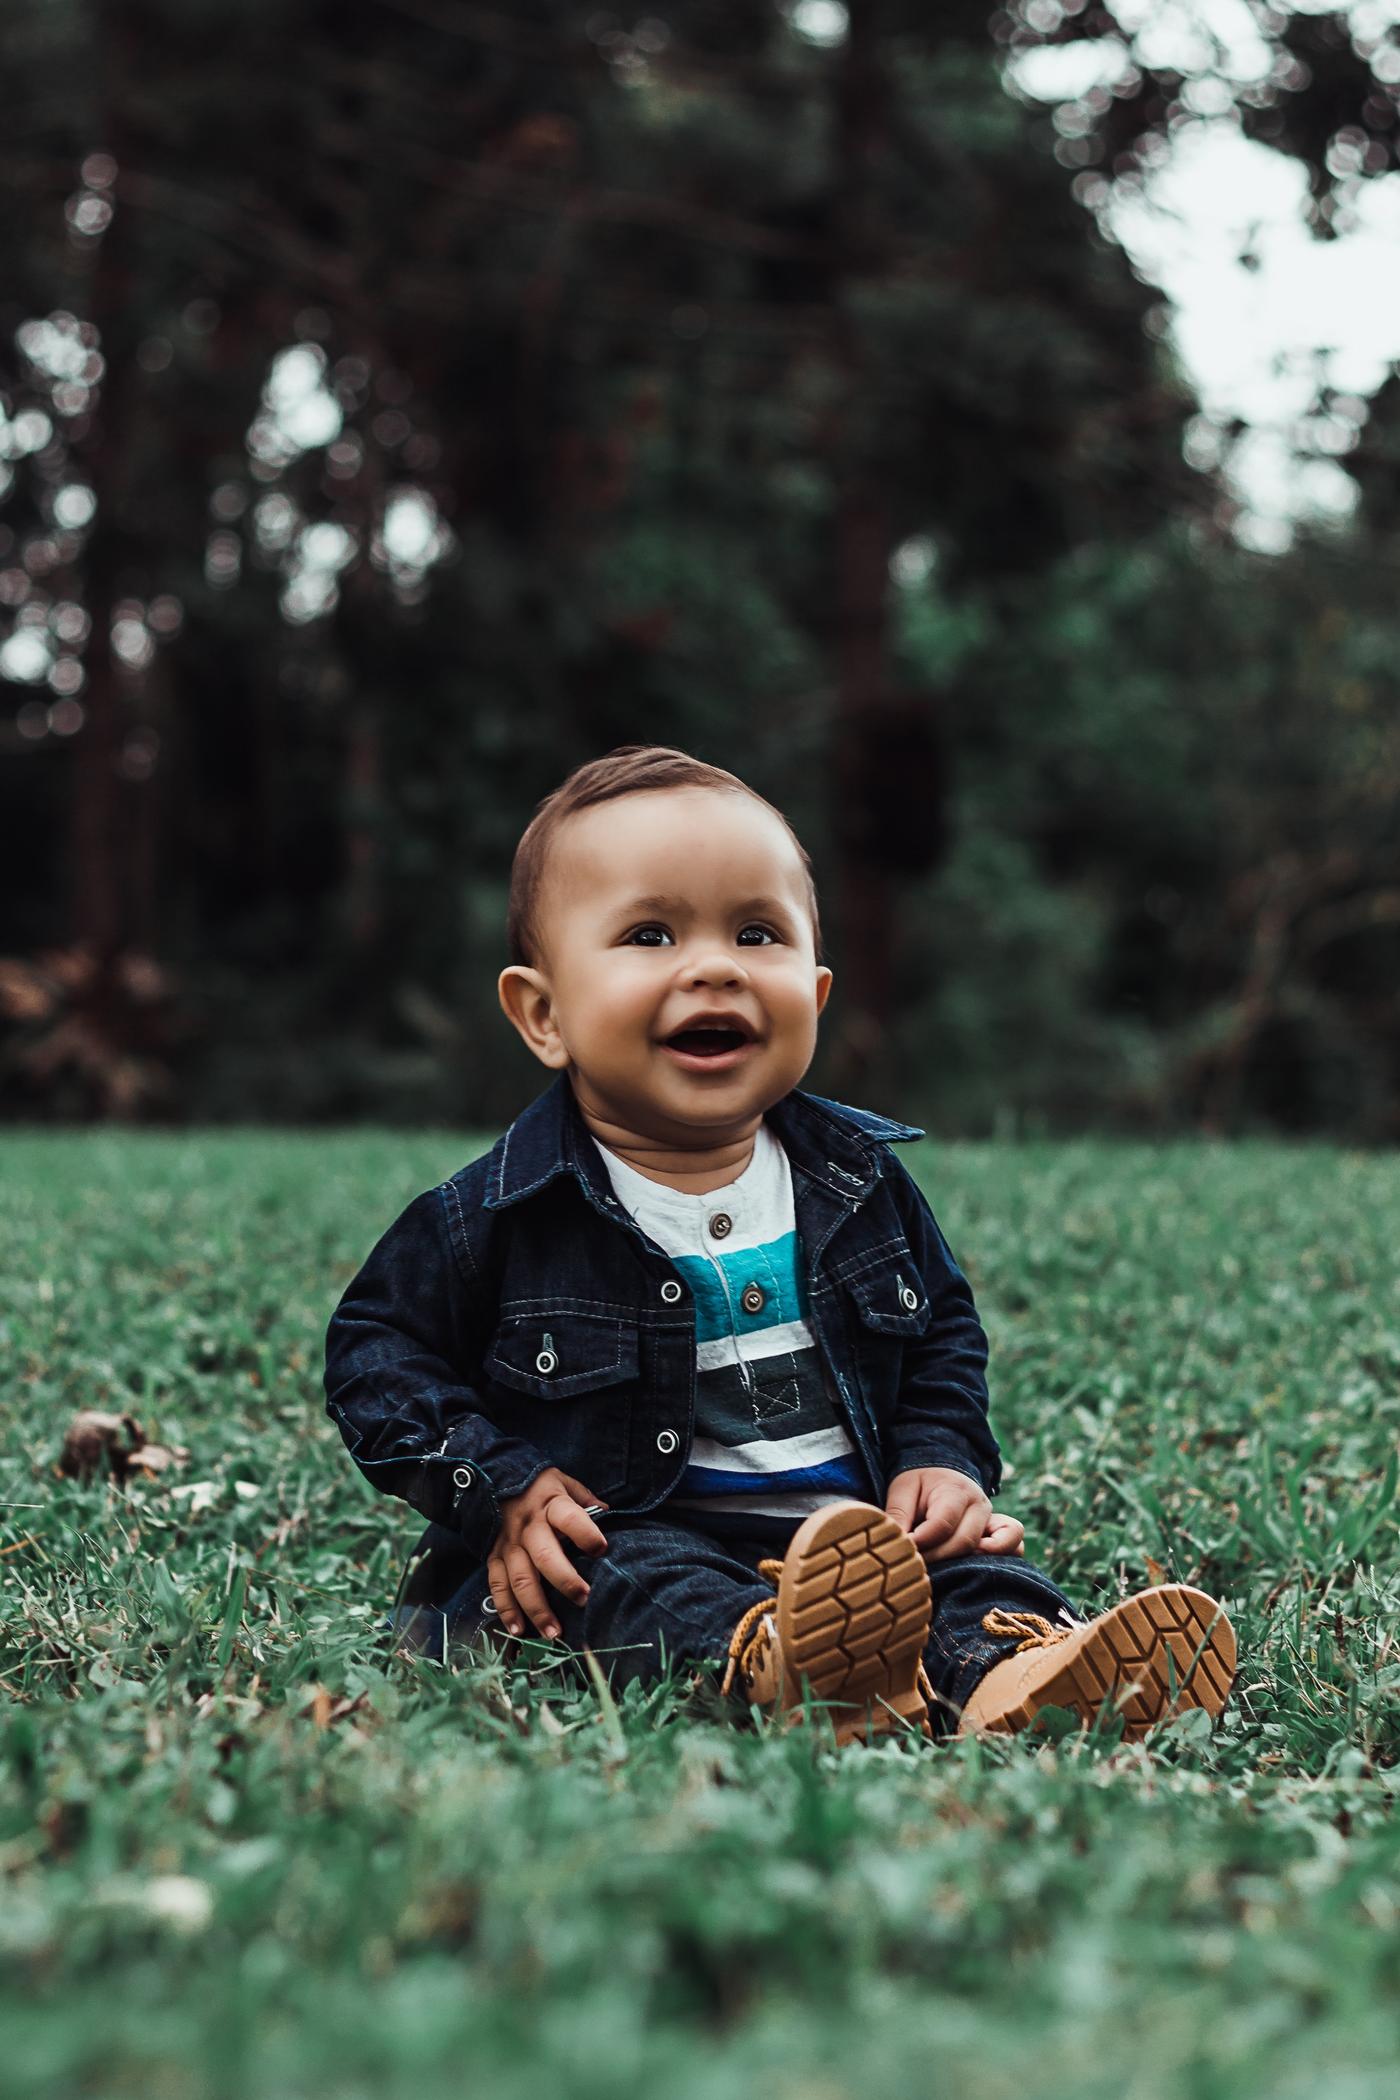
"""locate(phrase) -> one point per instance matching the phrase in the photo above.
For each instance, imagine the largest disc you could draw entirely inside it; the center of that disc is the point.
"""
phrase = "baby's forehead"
(680, 842)
(676, 848)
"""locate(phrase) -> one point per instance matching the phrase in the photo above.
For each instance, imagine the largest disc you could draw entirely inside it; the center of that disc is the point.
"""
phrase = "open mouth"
(707, 1042)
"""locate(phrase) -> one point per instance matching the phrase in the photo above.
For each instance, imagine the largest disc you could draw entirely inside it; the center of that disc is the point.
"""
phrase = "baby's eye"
(640, 936)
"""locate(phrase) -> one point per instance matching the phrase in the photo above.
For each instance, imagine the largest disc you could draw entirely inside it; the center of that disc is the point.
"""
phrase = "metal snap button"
(670, 1292)
(545, 1362)
(909, 1299)
(721, 1225)
(668, 1441)
(463, 1477)
(489, 1604)
(752, 1299)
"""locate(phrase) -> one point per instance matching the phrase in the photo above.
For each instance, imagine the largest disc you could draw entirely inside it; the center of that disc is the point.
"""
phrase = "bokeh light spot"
(25, 656)
(74, 506)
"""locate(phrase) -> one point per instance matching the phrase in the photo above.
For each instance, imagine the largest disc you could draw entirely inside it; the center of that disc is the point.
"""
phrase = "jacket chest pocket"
(566, 1383)
(891, 1301)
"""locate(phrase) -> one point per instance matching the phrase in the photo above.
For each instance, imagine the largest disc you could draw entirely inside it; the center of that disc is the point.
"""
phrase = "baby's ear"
(526, 1003)
(823, 985)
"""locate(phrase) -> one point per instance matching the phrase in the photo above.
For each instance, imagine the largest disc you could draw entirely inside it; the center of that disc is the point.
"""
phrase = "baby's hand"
(946, 1513)
(1002, 1535)
(527, 1547)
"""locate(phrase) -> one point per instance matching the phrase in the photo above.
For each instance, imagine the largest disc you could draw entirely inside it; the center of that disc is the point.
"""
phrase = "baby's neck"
(695, 1173)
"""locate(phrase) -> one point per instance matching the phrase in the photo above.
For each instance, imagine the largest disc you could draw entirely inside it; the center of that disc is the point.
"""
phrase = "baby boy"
(683, 1370)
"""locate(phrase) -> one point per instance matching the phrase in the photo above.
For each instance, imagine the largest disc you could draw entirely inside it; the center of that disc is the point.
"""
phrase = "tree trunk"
(100, 888)
(865, 894)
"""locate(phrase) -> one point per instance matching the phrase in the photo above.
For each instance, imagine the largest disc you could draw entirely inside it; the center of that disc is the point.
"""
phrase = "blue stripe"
(834, 1473)
(775, 1266)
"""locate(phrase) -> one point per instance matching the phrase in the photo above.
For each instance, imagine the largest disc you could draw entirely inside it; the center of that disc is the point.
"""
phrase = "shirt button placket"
(667, 1440)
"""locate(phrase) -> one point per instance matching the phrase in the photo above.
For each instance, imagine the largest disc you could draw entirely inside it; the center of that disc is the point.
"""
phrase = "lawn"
(248, 1852)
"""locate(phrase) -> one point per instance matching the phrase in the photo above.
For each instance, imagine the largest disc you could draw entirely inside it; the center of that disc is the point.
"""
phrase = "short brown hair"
(632, 769)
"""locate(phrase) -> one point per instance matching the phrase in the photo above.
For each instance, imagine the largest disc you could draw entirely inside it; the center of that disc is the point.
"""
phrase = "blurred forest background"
(401, 403)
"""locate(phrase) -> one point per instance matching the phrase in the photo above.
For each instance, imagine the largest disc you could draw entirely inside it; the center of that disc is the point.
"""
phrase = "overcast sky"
(1248, 338)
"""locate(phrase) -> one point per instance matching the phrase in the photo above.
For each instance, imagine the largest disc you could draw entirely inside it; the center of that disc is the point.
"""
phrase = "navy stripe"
(836, 1473)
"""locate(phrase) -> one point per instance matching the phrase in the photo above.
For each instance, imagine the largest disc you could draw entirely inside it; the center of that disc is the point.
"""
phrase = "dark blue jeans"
(667, 1593)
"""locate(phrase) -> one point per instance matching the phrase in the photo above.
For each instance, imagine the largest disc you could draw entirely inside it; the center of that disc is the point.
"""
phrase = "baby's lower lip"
(720, 1061)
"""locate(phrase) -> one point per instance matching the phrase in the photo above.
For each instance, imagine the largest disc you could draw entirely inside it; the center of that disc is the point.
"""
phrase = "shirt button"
(721, 1225)
(668, 1441)
(670, 1292)
(463, 1477)
(752, 1300)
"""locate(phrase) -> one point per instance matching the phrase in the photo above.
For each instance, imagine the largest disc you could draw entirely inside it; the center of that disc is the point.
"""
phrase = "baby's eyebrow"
(681, 904)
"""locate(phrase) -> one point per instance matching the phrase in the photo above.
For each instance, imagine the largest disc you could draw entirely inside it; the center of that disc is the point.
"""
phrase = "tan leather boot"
(1154, 1654)
(848, 1623)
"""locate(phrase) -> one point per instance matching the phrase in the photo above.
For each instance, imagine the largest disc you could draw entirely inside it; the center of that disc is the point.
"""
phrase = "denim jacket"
(516, 1317)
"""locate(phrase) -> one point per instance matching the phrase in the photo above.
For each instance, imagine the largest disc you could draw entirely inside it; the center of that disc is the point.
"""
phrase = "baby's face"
(660, 908)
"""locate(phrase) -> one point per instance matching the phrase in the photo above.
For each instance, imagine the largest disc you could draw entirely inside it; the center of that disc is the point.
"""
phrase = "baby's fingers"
(584, 1496)
(529, 1594)
(966, 1534)
(552, 1562)
(574, 1523)
(946, 1509)
(1003, 1535)
(503, 1597)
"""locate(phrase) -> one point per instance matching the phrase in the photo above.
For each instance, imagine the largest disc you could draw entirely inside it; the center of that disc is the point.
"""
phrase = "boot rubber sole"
(853, 1612)
(1149, 1657)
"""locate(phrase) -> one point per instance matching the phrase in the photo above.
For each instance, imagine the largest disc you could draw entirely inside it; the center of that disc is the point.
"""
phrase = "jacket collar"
(835, 1144)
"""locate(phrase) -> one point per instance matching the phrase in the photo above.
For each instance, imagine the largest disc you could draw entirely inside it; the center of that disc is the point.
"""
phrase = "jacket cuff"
(477, 1491)
(941, 1447)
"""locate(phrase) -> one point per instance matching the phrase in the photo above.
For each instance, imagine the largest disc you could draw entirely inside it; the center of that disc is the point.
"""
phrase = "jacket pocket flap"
(892, 1300)
(552, 1356)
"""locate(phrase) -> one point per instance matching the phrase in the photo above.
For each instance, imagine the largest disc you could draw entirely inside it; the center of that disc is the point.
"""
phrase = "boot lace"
(1035, 1631)
(751, 1635)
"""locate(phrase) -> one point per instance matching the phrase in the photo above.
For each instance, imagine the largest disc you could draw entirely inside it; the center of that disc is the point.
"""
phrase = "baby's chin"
(705, 1108)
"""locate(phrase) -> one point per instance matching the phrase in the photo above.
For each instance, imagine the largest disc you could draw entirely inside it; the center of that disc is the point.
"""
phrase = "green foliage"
(247, 1849)
(1172, 890)
(674, 330)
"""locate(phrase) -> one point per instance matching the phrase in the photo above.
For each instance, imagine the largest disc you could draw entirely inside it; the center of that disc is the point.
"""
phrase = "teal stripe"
(775, 1267)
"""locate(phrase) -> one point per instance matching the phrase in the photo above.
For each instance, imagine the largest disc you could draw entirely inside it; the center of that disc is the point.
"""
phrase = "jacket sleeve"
(402, 1348)
(941, 1415)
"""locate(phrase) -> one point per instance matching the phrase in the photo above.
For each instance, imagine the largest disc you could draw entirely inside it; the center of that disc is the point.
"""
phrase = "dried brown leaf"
(93, 1437)
(151, 1459)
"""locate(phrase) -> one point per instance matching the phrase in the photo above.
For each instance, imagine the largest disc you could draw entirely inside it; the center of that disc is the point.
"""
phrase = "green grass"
(246, 1851)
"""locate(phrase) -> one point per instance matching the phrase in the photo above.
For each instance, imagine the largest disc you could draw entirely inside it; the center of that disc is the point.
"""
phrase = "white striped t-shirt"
(770, 1439)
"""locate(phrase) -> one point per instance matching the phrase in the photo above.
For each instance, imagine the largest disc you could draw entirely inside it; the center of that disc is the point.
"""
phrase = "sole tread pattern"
(1149, 1657)
(853, 1613)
